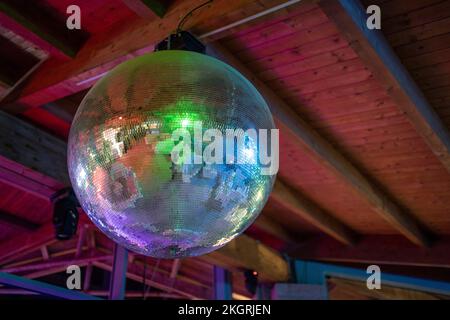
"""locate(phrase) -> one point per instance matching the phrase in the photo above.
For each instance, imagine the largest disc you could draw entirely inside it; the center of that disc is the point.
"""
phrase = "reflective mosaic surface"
(120, 164)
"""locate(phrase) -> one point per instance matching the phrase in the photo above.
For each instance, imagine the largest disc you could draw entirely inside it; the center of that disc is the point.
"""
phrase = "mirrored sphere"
(120, 154)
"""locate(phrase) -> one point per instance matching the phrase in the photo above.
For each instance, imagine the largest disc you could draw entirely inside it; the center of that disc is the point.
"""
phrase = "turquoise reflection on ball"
(120, 160)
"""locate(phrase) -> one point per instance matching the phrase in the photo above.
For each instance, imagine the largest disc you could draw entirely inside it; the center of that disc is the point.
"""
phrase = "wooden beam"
(247, 253)
(175, 268)
(310, 212)
(23, 43)
(15, 61)
(372, 47)
(148, 8)
(44, 253)
(321, 150)
(39, 258)
(42, 25)
(118, 279)
(42, 287)
(82, 236)
(18, 222)
(269, 226)
(57, 263)
(88, 277)
(55, 80)
(223, 284)
(26, 179)
(27, 242)
(376, 249)
(3, 88)
(8, 101)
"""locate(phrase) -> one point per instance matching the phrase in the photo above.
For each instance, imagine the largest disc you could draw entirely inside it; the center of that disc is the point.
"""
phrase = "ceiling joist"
(310, 212)
(376, 249)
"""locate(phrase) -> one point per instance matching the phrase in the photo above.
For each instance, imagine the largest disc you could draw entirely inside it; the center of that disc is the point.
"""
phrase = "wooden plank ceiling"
(353, 165)
(317, 73)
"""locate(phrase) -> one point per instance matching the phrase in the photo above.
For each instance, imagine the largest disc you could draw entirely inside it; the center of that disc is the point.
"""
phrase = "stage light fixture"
(65, 214)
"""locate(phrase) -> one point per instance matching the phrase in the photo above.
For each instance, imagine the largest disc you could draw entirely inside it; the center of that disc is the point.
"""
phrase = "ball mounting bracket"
(181, 40)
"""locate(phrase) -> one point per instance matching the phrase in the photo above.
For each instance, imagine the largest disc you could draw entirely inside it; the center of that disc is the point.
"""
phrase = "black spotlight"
(65, 214)
(251, 281)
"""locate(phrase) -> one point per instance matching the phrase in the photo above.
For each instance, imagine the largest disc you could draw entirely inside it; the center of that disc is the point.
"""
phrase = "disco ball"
(120, 154)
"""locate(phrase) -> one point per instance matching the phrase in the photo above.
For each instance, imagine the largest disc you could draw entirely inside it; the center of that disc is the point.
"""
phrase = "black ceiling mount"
(181, 40)
(65, 213)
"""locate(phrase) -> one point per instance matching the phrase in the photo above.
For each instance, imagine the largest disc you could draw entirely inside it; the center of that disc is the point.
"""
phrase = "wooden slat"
(326, 154)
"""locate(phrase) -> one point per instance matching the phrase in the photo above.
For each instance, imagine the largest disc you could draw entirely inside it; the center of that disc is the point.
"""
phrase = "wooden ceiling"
(364, 170)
